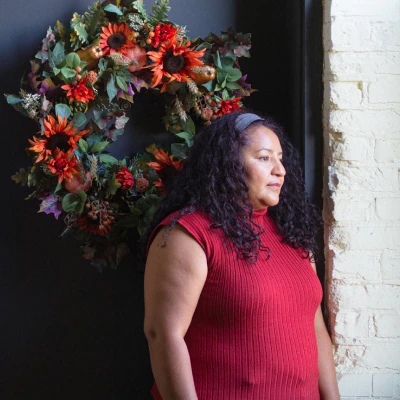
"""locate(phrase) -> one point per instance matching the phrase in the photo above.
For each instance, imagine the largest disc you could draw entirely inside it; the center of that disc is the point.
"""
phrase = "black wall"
(67, 331)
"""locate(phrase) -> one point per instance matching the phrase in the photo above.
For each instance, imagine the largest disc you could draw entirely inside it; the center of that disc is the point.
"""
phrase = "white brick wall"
(362, 193)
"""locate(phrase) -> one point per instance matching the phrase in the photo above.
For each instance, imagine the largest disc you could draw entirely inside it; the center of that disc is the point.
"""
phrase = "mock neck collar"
(260, 213)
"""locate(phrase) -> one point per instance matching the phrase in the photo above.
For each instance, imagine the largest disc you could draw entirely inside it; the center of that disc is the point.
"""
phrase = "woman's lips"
(277, 185)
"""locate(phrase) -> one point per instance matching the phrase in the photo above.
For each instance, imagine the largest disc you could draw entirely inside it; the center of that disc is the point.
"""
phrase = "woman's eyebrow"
(264, 148)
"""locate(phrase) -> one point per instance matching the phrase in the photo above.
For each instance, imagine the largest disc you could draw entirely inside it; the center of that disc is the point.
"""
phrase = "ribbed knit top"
(252, 334)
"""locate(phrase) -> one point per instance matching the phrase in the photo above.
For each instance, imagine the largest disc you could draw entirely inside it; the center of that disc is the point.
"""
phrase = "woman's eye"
(265, 158)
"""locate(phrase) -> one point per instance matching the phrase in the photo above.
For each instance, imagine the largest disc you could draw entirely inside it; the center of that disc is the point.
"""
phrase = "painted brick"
(396, 385)
(374, 297)
(349, 66)
(387, 325)
(372, 123)
(352, 148)
(345, 94)
(365, 7)
(390, 266)
(363, 34)
(385, 90)
(382, 384)
(373, 238)
(387, 150)
(368, 178)
(352, 209)
(388, 208)
(352, 324)
(359, 264)
(383, 297)
(350, 297)
(382, 356)
(355, 385)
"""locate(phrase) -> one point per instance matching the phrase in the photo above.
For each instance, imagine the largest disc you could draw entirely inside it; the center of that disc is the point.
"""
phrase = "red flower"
(163, 33)
(79, 92)
(228, 106)
(62, 166)
(125, 178)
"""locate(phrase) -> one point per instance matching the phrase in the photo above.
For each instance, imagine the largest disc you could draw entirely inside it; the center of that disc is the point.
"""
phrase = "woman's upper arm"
(174, 278)
(319, 322)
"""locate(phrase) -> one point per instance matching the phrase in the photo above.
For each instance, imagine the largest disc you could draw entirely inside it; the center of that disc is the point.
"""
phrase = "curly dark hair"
(213, 181)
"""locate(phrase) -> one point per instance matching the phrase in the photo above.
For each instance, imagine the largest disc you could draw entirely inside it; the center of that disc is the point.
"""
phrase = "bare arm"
(174, 278)
(327, 382)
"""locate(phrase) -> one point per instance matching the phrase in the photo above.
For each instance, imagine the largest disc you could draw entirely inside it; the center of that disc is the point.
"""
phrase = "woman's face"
(264, 172)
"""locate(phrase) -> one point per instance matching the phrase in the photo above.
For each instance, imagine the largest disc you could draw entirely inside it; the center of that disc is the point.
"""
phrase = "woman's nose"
(279, 169)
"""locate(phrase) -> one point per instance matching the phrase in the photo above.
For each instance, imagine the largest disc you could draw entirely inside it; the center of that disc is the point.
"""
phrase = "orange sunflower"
(165, 167)
(116, 38)
(62, 165)
(173, 62)
(59, 136)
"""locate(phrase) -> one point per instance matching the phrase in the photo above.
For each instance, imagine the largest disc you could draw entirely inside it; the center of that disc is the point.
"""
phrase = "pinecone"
(142, 184)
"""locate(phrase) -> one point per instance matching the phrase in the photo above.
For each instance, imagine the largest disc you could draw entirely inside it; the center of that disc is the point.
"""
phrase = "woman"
(231, 294)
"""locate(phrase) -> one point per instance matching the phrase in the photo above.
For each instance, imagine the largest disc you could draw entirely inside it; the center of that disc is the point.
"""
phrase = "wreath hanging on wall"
(81, 83)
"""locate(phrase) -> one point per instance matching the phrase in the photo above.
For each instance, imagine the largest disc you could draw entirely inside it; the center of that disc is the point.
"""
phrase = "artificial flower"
(58, 136)
(116, 38)
(228, 106)
(93, 226)
(164, 161)
(62, 165)
(163, 33)
(79, 92)
(125, 178)
(174, 62)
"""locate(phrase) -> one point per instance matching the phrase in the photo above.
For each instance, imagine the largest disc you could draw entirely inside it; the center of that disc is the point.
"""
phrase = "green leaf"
(56, 70)
(121, 83)
(78, 25)
(71, 202)
(210, 86)
(187, 136)
(82, 195)
(73, 60)
(102, 64)
(107, 159)
(233, 86)
(233, 74)
(94, 138)
(47, 74)
(221, 75)
(139, 5)
(63, 110)
(136, 211)
(68, 72)
(179, 150)
(113, 9)
(78, 120)
(99, 147)
(226, 62)
(21, 177)
(204, 45)
(58, 54)
(191, 126)
(13, 99)
(125, 75)
(225, 95)
(112, 90)
(217, 60)
(160, 11)
(83, 145)
(112, 186)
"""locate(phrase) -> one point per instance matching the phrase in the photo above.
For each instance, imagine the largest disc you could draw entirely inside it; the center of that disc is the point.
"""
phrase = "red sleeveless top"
(252, 335)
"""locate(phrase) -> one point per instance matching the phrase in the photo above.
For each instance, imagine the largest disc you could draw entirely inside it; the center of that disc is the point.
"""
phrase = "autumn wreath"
(80, 85)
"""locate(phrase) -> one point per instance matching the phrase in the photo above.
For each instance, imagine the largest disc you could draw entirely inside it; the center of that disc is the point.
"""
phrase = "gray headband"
(244, 120)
